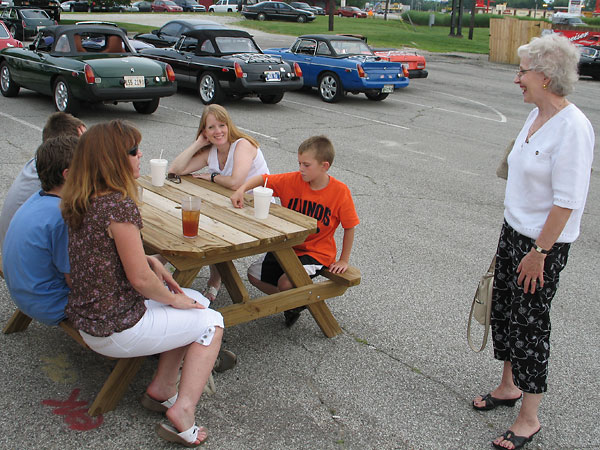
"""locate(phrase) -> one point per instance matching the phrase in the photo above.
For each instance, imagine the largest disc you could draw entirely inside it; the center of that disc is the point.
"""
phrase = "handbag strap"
(487, 317)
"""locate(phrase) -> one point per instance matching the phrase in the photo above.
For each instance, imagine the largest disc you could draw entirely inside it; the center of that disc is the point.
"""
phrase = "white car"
(224, 6)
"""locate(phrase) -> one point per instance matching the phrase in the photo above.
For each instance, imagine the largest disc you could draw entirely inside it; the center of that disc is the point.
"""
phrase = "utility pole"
(331, 13)
(452, 16)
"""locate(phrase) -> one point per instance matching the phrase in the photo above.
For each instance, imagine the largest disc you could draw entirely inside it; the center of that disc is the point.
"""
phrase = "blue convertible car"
(339, 64)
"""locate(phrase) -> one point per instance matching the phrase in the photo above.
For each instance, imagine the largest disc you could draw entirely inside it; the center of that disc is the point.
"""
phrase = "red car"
(165, 6)
(6, 39)
(350, 11)
(415, 62)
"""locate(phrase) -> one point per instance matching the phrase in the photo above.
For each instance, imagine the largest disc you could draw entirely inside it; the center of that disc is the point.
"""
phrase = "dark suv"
(190, 6)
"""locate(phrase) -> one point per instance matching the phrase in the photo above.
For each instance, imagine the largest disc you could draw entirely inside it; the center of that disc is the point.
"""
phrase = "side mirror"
(31, 46)
(155, 32)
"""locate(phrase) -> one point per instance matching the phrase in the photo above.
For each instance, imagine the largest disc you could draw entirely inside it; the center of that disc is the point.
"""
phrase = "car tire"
(15, 33)
(340, 15)
(7, 85)
(63, 97)
(261, 16)
(330, 87)
(209, 89)
(596, 76)
(271, 99)
(376, 96)
(301, 18)
(355, 16)
(211, 10)
(229, 10)
(147, 107)
(72, 8)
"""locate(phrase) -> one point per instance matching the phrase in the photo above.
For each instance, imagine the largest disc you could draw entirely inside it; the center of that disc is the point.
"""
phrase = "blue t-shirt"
(35, 258)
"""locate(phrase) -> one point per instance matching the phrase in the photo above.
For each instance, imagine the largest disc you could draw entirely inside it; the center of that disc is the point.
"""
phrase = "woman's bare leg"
(527, 422)
(506, 389)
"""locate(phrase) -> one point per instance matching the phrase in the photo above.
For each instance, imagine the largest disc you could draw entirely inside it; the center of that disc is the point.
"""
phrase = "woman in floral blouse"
(113, 281)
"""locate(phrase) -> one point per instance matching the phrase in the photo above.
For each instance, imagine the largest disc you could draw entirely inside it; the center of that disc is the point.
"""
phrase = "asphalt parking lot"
(421, 167)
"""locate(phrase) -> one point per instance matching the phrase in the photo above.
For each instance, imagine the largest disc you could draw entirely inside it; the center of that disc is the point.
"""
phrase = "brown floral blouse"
(102, 301)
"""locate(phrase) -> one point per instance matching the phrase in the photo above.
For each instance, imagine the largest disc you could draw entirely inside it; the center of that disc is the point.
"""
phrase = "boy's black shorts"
(267, 269)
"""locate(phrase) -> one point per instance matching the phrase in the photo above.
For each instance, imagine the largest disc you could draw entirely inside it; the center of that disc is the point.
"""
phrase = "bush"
(443, 19)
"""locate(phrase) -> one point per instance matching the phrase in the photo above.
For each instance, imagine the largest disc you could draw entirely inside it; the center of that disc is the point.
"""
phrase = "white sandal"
(211, 293)
(186, 438)
(155, 405)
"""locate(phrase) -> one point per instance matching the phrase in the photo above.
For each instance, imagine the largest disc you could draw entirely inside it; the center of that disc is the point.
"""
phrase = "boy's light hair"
(321, 145)
(60, 124)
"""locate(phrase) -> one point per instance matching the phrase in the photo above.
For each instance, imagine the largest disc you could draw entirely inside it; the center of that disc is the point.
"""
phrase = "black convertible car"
(227, 62)
(589, 62)
(170, 32)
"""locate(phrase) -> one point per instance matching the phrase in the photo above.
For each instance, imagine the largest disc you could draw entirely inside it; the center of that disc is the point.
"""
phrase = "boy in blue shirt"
(35, 251)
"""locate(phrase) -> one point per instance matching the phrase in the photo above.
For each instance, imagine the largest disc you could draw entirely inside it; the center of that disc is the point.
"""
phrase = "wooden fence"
(508, 34)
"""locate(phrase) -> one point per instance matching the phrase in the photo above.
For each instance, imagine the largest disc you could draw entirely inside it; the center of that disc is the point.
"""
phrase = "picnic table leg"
(185, 278)
(320, 311)
(233, 282)
(116, 385)
(18, 322)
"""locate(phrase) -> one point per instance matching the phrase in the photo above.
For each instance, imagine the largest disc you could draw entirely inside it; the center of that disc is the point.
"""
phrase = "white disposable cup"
(262, 201)
(158, 170)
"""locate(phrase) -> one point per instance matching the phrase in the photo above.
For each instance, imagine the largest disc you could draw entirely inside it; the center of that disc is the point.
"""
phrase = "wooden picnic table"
(226, 234)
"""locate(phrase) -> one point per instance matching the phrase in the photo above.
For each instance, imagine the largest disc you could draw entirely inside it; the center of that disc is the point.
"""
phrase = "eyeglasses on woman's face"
(522, 72)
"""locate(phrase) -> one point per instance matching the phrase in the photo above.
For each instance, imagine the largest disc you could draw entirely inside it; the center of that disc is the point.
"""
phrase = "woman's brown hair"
(222, 115)
(100, 166)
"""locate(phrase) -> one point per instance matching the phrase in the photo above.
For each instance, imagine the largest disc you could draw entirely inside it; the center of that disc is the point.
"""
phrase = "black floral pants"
(521, 322)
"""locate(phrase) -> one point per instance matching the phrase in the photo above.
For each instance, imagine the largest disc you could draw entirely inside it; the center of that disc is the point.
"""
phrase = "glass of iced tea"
(190, 215)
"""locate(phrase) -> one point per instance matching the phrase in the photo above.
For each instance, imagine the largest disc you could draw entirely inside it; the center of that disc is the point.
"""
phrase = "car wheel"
(596, 76)
(330, 88)
(355, 16)
(7, 86)
(212, 10)
(376, 96)
(15, 33)
(301, 18)
(63, 97)
(270, 99)
(72, 8)
(209, 89)
(262, 17)
(147, 107)
(340, 15)
(229, 10)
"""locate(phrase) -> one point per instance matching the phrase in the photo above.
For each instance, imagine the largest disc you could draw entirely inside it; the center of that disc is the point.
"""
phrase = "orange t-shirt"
(331, 206)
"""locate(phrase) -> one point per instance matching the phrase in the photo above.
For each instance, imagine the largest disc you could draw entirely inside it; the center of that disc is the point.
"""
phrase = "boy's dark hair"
(321, 145)
(52, 158)
(61, 124)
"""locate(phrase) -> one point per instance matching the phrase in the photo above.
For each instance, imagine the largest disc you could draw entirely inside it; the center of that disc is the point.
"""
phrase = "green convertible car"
(86, 63)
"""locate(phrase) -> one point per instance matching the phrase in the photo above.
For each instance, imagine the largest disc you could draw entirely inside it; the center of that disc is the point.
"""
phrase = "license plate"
(387, 88)
(134, 81)
(272, 75)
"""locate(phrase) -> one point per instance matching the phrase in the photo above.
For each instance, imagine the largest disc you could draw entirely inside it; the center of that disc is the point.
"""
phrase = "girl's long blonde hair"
(221, 115)
(100, 166)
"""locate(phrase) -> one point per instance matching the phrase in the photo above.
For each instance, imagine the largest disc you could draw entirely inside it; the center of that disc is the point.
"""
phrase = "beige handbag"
(502, 169)
(481, 308)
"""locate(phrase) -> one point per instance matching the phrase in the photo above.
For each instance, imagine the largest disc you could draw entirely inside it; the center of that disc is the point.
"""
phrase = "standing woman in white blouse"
(548, 179)
(231, 156)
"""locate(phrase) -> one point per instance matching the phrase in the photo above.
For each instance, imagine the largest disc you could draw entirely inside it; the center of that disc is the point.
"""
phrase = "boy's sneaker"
(292, 315)
(225, 360)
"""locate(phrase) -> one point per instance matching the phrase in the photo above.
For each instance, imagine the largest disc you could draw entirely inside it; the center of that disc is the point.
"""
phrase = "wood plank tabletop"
(222, 229)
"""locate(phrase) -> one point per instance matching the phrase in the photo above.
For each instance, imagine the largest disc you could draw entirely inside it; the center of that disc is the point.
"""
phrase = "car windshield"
(354, 8)
(169, 3)
(589, 52)
(302, 5)
(34, 14)
(351, 48)
(229, 44)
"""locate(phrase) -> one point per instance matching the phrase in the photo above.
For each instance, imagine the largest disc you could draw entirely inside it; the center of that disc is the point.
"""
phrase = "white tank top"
(259, 165)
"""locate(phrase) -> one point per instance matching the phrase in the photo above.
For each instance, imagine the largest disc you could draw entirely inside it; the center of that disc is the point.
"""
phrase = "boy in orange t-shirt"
(313, 192)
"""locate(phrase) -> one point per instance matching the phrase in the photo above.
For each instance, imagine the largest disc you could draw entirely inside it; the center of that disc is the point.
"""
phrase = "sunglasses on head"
(133, 151)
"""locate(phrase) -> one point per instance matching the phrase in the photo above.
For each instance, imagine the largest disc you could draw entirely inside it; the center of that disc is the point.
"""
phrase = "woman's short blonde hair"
(557, 58)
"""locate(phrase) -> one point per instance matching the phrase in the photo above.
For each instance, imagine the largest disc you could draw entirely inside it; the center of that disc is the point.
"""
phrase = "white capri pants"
(160, 329)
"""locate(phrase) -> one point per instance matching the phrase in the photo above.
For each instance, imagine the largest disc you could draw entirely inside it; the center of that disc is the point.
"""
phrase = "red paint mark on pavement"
(75, 412)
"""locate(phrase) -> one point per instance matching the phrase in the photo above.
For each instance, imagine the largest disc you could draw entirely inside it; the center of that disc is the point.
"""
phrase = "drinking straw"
(161, 152)
(266, 179)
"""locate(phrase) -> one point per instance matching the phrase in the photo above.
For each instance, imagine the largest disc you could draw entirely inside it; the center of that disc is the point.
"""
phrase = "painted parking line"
(501, 117)
(266, 136)
(403, 147)
(367, 119)
(21, 121)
